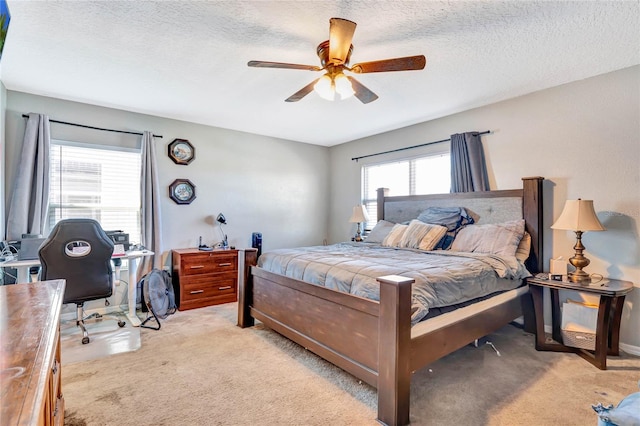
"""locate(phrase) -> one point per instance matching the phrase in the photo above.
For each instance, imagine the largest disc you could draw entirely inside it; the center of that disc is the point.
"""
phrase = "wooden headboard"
(484, 207)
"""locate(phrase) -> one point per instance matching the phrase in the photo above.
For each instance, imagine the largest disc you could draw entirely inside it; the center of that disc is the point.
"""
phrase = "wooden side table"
(612, 293)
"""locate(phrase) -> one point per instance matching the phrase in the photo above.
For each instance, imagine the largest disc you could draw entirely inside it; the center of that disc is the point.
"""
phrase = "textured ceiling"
(187, 60)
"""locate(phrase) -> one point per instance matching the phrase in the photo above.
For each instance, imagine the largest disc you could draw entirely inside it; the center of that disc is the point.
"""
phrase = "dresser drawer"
(202, 286)
(206, 263)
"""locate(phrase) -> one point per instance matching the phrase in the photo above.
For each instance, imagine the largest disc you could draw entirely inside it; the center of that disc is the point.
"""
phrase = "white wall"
(583, 137)
(261, 184)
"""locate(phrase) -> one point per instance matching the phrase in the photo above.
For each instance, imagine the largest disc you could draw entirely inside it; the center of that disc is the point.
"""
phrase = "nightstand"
(612, 293)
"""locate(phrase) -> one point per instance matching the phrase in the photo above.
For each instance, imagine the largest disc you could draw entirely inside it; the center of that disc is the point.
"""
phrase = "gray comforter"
(443, 278)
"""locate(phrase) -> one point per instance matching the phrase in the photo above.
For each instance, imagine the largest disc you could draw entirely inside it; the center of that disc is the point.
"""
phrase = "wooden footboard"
(373, 340)
(340, 328)
(368, 339)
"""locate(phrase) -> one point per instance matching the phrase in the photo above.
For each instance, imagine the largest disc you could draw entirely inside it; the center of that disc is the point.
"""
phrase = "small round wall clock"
(182, 191)
(181, 151)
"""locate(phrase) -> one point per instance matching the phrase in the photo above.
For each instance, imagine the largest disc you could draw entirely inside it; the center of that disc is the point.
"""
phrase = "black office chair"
(79, 251)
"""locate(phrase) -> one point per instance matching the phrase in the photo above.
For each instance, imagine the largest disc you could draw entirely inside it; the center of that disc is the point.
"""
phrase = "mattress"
(442, 278)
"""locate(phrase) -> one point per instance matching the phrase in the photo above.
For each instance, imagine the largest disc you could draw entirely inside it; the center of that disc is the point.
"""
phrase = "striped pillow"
(423, 236)
(394, 237)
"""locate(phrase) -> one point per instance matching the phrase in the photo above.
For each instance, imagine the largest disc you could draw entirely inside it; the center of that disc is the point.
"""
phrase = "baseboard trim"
(630, 349)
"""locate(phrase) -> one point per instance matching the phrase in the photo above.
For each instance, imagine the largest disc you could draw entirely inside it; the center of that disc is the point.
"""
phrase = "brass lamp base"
(579, 276)
(358, 237)
(579, 261)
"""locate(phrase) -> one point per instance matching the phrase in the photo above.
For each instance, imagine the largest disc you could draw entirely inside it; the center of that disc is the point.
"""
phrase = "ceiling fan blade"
(302, 92)
(362, 93)
(340, 36)
(265, 64)
(396, 64)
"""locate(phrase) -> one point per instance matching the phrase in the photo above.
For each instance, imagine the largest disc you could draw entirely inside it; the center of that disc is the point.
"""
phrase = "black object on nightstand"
(612, 293)
(256, 242)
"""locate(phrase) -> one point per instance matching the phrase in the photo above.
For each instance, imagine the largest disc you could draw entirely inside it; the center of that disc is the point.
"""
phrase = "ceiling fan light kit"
(334, 55)
(327, 87)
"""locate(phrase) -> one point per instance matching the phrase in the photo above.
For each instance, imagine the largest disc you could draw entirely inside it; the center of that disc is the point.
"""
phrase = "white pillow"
(501, 238)
(379, 232)
(423, 236)
(394, 237)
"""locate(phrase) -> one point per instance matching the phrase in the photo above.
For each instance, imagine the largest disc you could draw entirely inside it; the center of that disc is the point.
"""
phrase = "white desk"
(134, 256)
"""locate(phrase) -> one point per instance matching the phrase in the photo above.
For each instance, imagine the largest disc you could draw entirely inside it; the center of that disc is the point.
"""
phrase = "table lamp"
(222, 221)
(578, 216)
(358, 216)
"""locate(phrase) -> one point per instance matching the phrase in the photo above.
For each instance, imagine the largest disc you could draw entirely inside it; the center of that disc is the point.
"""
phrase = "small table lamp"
(223, 221)
(578, 216)
(358, 216)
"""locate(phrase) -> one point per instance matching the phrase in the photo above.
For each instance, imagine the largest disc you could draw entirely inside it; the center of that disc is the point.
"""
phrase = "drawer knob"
(224, 264)
(224, 288)
(196, 291)
(197, 266)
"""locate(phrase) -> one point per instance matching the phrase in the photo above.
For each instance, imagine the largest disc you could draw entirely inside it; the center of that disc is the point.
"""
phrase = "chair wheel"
(121, 324)
(85, 340)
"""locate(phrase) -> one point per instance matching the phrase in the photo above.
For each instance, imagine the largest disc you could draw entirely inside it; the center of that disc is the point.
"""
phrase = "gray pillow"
(495, 238)
(379, 232)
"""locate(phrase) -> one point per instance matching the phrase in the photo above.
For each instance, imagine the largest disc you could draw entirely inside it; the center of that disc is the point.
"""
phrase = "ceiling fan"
(334, 56)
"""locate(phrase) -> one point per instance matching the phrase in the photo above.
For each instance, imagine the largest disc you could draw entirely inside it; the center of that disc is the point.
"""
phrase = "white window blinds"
(423, 175)
(97, 182)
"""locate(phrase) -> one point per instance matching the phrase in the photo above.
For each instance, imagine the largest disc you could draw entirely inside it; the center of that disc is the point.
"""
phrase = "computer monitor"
(29, 248)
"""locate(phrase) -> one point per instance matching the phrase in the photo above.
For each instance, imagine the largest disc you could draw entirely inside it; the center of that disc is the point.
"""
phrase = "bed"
(375, 340)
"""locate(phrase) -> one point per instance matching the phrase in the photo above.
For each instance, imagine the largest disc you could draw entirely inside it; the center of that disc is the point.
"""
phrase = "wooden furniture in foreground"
(30, 376)
(373, 340)
(612, 293)
(204, 278)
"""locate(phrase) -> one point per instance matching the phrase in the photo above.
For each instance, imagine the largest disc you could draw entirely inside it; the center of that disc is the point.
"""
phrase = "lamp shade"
(343, 86)
(331, 84)
(578, 215)
(359, 214)
(325, 87)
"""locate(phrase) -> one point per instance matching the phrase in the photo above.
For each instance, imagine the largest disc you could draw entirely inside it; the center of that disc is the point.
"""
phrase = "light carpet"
(200, 369)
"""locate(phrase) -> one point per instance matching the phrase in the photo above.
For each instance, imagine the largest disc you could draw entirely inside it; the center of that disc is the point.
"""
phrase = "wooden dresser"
(30, 375)
(204, 278)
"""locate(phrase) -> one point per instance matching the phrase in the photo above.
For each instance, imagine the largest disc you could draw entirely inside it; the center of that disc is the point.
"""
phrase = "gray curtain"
(29, 203)
(468, 168)
(150, 212)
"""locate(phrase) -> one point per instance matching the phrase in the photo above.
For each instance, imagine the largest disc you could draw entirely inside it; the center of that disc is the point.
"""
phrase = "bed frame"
(374, 341)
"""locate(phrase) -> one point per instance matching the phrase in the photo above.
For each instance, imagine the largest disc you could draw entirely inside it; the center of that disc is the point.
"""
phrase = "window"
(422, 175)
(97, 182)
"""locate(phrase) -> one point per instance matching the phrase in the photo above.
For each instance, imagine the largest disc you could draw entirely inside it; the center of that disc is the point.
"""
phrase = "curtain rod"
(411, 147)
(94, 128)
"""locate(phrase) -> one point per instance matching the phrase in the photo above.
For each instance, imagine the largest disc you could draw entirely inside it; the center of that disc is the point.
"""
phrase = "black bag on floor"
(155, 294)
